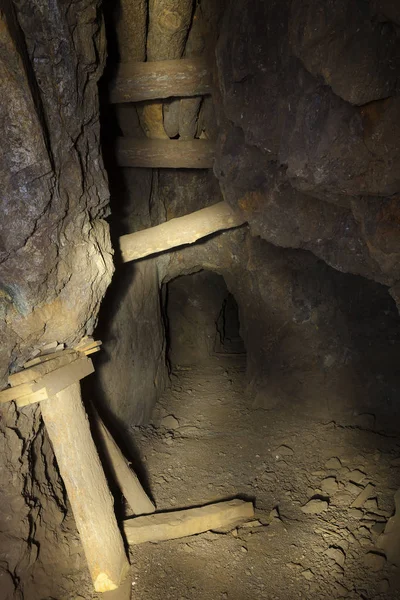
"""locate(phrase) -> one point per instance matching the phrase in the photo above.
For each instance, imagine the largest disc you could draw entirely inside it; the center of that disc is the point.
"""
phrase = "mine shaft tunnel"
(199, 270)
(213, 336)
(202, 320)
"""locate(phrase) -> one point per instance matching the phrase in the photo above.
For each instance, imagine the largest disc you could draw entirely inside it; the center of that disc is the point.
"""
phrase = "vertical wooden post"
(91, 501)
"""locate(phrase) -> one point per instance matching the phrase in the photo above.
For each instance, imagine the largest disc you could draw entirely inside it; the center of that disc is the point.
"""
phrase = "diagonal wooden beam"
(173, 154)
(140, 81)
(179, 232)
(92, 504)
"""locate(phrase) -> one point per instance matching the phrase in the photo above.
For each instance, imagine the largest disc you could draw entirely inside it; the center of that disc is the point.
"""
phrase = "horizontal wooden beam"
(179, 232)
(182, 523)
(139, 81)
(172, 154)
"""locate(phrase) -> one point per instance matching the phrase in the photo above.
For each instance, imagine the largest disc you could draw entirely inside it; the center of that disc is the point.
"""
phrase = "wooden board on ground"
(173, 154)
(139, 81)
(182, 523)
(89, 344)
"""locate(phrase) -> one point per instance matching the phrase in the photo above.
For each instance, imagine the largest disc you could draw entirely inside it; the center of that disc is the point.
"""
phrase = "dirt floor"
(208, 443)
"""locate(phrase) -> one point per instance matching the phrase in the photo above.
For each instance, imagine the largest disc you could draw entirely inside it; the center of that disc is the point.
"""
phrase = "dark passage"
(202, 319)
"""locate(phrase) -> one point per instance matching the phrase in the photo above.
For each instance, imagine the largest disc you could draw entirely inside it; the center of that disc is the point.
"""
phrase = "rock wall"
(311, 333)
(309, 116)
(308, 150)
(55, 260)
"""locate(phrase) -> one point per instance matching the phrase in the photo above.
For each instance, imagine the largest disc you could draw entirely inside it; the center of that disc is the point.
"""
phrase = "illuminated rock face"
(55, 253)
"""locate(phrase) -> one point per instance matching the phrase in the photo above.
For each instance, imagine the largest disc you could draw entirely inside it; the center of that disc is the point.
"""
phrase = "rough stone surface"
(296, 317)
(55, 251)
(292, 140)
(55, 261)
(324, 35)
(193, 307)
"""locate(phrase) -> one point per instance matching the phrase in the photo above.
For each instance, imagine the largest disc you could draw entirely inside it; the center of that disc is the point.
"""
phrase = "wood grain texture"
(169, 22)
(92, 504)
(183, 523)
(122, 473)
(137, 82)
(36, 372)
(174, 154)
(179, 231)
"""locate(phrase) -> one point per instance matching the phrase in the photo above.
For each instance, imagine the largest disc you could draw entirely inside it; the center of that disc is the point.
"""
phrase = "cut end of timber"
(103, 583)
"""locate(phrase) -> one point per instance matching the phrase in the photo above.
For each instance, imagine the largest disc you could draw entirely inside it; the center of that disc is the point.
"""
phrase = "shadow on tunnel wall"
(316, 338)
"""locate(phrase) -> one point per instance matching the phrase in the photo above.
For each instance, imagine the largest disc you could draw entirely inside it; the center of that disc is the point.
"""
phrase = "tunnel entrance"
(202, 320)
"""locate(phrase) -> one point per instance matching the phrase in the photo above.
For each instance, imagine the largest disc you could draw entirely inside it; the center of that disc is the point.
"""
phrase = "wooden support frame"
(121, 471)
(178, 232)
(91, 501)
(54, 380)
(140, 81)
(173, 154)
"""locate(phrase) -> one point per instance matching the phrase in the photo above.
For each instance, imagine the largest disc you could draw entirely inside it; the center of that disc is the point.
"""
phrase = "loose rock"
(333, 463)
(315, 506)
(374, 561)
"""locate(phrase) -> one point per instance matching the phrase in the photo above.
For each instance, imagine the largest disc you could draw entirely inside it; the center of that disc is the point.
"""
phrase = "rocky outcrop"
(309, 148)
(55, 251)
(55, 257)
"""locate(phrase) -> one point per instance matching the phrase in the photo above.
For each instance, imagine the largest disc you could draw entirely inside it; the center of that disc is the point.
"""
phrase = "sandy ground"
(207, 442)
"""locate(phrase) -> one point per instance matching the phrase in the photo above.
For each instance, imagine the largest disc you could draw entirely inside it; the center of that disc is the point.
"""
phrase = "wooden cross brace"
(54, 380)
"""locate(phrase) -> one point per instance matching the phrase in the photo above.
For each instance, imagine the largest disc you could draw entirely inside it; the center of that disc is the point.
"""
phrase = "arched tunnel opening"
(199, 294)
(202, 320)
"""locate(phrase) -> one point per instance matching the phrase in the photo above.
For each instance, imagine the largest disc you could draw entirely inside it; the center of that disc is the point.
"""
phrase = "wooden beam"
(92, 504)
(12, 393)
(123, 474)
(36, 372)
(178, 232)
(173, 154)
(139, 81)
(177, 524)
(61, 378)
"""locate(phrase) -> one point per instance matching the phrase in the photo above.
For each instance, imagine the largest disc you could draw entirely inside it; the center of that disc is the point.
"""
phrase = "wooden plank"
(61, 378)
(178, 232)
(45, 357)
(37, 396)
(183, 523)
(92, 504)
(140, 81)
(175, 154)
(88, 345)
(12, 393)
(38, 371)
(92, 351)
(122, 473)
